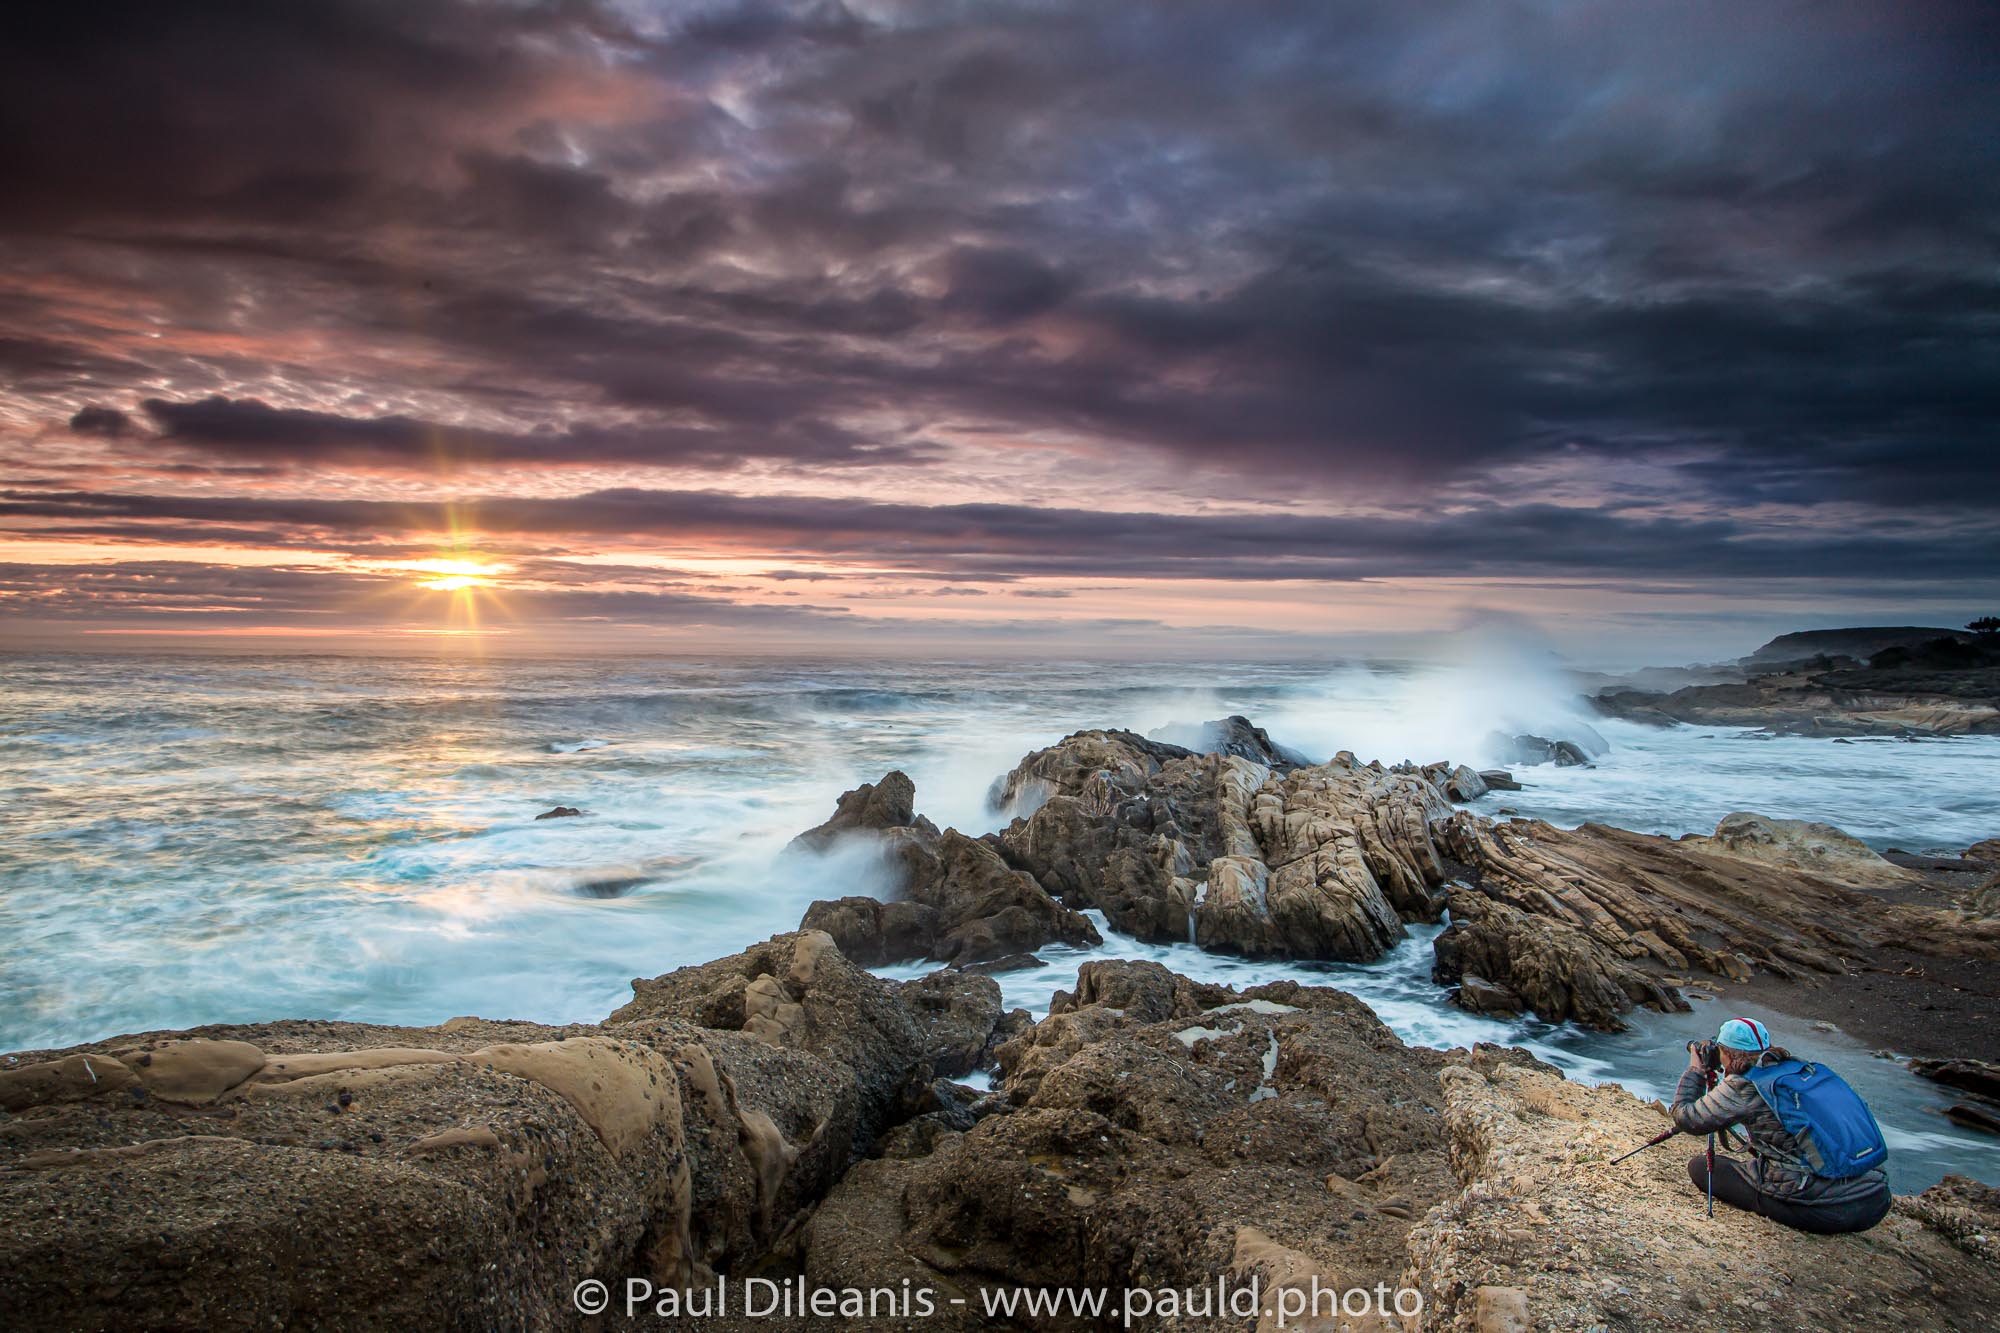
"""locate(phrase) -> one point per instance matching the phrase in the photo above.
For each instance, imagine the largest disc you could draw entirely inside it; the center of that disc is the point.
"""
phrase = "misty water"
(222, 839)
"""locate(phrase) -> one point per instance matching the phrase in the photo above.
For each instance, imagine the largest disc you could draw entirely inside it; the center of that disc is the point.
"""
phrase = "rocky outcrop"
(465, 1176)
(1106, 765)
(1162, 1134)
(1527, 751)
(873, 807)
(1798, 844)
(1504, 960)
(1544, 1233)
(1895, 694)
(956, 900)
(1233, 736)
(1318, 862)
(327, 1174)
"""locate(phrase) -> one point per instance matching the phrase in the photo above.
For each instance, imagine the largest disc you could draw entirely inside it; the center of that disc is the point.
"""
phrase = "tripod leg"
(1711, 1175)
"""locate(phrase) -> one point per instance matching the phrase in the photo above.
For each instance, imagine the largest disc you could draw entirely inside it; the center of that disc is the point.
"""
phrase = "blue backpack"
(1834, 1127)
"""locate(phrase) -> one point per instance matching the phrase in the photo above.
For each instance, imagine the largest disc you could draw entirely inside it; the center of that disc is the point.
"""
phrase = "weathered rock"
(1481, 996)
(1233, 735)
(561, 812)
(955, 900)
(1319, 862)
(1172, 1133)
(1456, 781)
(1798, 844)
(1588, 1245)
(957, 1013)
(463, 1183)
(1531, 750)
(1544, 965)
(1115, 763)
(873, 807)
(1648, 906)
(1498, 779)
(1987, 852)
(800, 993)
(872, 932)
(1980, 1076)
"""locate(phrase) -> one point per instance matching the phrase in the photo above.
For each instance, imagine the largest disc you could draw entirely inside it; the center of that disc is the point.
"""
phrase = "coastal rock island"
(785, 1112)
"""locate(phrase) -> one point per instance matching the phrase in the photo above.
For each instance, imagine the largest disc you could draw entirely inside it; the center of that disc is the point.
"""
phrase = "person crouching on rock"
(1816, 1151)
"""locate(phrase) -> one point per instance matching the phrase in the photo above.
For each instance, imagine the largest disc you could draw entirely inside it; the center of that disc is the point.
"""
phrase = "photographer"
(1817, 1168)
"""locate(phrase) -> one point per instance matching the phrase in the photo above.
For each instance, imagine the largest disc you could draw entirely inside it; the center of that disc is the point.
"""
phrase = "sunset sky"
(954, 328)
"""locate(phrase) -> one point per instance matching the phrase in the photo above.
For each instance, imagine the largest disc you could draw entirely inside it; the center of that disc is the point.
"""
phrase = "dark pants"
(1736, 1185)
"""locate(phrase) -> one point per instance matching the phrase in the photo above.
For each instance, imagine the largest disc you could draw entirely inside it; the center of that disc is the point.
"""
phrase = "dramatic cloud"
(1317, 290)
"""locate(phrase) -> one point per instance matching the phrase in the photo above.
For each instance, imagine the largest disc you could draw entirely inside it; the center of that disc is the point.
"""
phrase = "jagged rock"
(1545, 965)
(561, 812)
(873, 932)
(957, 900)
(873, 807)
(1798, 844)
(1458, 782)
(1498, 779)
(1629, 1247)
(798, 992)
(1319, 862)
(1969, 1075)
(1987, 852)
(1481, 996)
(1531, 750)
(1116, 763)
(1171, 1132)
(1233, 735)
(957, 1013)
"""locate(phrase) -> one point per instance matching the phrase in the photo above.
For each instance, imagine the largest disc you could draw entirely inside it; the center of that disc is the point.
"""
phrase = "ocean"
(199, 839)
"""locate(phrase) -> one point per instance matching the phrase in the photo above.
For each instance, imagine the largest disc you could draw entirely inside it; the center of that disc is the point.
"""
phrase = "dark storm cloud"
(1321, 245)
(248, 428)
(1015, 541)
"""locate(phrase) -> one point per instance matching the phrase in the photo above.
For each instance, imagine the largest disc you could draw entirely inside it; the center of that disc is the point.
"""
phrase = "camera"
(1706, 1051)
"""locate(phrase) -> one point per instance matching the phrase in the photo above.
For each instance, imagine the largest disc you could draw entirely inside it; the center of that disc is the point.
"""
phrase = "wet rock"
(1480, 996)
(1527, 750)
(1977, 1076)
(1801, 845)
(1987, 852)
(1319, 862)
(873, 807)
(1233, 735)
(956, 899)
(1498, 779)
(1544, 965)
(957, 1013)
(561, 812)
(1974, 1117)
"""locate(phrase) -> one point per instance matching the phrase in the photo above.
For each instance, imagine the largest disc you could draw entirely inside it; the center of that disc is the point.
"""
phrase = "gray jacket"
(1777, 1160)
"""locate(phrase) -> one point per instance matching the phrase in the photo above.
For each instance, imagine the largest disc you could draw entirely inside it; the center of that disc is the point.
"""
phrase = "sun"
(455, 575)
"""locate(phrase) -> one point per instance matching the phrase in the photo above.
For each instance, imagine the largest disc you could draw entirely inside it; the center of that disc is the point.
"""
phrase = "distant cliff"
(1861, 643)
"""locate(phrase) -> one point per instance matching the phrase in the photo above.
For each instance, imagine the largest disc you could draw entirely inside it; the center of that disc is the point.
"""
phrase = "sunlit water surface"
(195, 840)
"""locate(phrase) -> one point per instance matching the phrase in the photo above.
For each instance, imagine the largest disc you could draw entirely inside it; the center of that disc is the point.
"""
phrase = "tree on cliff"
(1984, 625)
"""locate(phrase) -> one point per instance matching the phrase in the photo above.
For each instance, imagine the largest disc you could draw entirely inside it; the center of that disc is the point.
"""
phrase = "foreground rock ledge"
(776, 1112)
